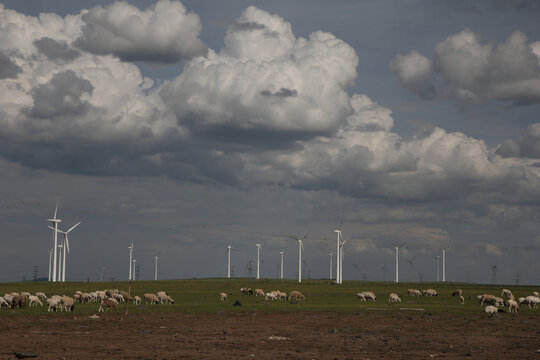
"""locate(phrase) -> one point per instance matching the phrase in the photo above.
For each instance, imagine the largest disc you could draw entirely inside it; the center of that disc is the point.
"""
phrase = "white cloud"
(164, 32)
(472, 72)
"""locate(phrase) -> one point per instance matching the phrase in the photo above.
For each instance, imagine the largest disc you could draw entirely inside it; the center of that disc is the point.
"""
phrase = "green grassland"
(202, 295)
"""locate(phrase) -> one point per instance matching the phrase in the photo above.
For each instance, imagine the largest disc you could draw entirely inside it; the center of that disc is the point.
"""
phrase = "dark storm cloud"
(56, 50)
(7, 68)
(61, 96)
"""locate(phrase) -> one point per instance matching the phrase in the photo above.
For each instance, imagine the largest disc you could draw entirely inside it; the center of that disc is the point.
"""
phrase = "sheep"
(113, 300)
(34, 300)
(107, 304)
(68, 303)
(458, 292)
(492, 310)
(281, 295)
(119, 297)
(53, 302)
(393, 297)
(246, 291)
(41, 296)
(8, 298)
(270, 296)
(296, 295)
(25, 293)
(152, 298)
(163, 296)
(506, 292)
(369, 295)
(532, 300)
(125, 295)
(222, 297)
(259, 292)
(487, 299)
(429, 292)
(3, 302)
(535, 293)
(414, 292)
(461, 300)
(137, 300)
(512, 305)
(361, 297)
(20, 301)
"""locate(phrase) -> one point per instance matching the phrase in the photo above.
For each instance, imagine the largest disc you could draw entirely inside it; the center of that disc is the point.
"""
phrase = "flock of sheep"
(107, 299)
(272, 295)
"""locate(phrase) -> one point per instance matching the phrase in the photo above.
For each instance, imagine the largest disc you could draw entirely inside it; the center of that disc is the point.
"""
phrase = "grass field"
(202, 295)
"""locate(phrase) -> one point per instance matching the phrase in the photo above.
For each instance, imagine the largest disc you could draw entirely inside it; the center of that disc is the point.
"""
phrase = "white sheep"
(3, 302)
(53, 302)
(118, 297)
(34, 301)
(8, 298)
(492, 310)
(41, 295)
(461, 300)
(222, 296)
(535, 293)
(429, 292)
(270, 296)
(532, 300)
(361, 297)
(414, 292)
(512, 305)
(137, 300)
(164, 297)
(152, 298)
(394, 298)
(259, 292)
(369, 295)
(506, 292)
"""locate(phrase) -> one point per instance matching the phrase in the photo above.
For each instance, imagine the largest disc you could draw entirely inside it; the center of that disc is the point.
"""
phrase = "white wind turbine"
(130, 247)
(331, 258)
(300, 247)
(342, 254)
(134, 272)
(338, 252)
(396, 248)
(258, 259)
(55, 247)
(281, 272)
(229, 248)
(65, 248)
(444, 263)
(156, 258)
(60, 247)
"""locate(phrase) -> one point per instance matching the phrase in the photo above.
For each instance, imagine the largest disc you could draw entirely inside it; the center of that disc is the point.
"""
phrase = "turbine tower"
(50, 260)
(258, 259)
(396, 248)
(229, 247)
(134, 262)
(281, 254)
(338, 253)
(342, 255)
(156, 258)
(55, 222)
(66, 248)
(444, 263)
(60, 247)
(130, 247)
(300, 247)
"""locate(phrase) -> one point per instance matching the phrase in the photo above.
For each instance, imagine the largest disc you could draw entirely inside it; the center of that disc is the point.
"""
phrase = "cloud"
(56, 50)
(472, 72)
(266, 79)
(528, 145)
(164, 32)
(7, 68)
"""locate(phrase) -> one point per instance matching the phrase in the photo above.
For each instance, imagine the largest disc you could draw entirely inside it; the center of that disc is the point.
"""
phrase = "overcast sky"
(182, 126)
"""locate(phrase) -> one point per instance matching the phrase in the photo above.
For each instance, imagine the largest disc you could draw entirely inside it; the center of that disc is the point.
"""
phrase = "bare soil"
(364, 335)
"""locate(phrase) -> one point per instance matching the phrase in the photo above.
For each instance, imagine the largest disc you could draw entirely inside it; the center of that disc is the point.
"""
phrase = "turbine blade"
(341, 223)
(55, 210)
(74, 226)
(67, 243)
(305, 236)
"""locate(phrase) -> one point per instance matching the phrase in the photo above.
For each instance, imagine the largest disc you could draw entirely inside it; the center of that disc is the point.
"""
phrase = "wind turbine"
(258, 259)
(229, 247)
(444, 263)
(411, 266)
(55, 226)
(66, 248)
(60, 246)
(342, 254)
(396, 248)
(156, 258)
(130, 247)
(438, 267)
(134, 262)
(50, 260)
(338, 248)
(300, 247)
(281, 254)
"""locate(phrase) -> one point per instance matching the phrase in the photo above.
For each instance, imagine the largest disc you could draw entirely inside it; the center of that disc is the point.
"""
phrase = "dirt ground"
(364, 335)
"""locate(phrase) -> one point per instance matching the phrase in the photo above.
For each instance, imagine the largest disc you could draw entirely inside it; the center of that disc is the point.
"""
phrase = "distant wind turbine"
(229, 248)
(338, 252)
(156, 258)
(444, 263)
(55, 222)
(331, 258)
(50, 260)
(396, 248)
(258, 259)
(300, 247)
(281, 254)
(65, 248)
(134, 272)
(130, 247)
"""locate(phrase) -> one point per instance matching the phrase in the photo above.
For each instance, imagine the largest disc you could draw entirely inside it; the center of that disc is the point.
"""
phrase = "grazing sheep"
(361, 297)
(53, 302)
(113, 300)
(106, 305)
(150, 298)
(164, 297)
(394, 298)
(3, 302)
(222, 296)
(430, 292)
(259, 292)
(492, 310)
(296, 295)
(246, 291)
(281, 295)
(8, 298)
(506, 292)
(458, 292)
(271, 296)
(369, 295)
(125, 295)
(414, 292)
(119, 297)
(19, 301)
(25, 293)
(137, 300)
(41, 296)
(487, 299)
(68, 303)
(529, 300)
(512, 305)
(34, 300)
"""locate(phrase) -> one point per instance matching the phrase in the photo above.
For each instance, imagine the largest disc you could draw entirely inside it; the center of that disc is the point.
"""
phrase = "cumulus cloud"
(7, 68)
(266, 78)
(56, 50)
(527, 145)
(164, 32)
(472, 72)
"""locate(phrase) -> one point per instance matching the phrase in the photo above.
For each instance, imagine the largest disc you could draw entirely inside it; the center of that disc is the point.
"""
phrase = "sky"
(186, 126)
